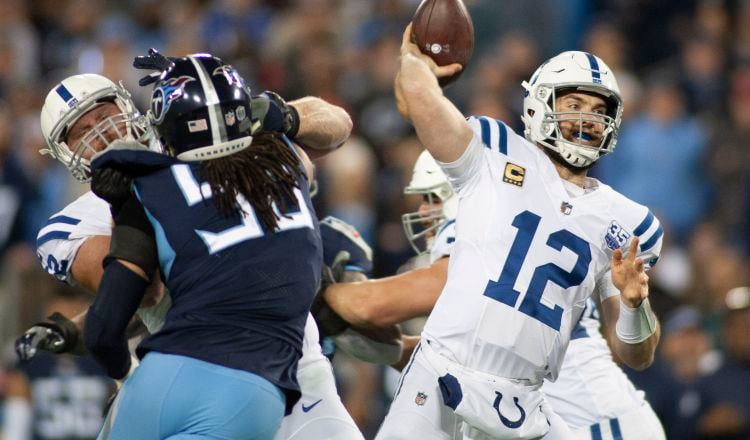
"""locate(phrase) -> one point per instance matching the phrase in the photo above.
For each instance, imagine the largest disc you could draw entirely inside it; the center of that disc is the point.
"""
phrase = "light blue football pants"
(171, 397)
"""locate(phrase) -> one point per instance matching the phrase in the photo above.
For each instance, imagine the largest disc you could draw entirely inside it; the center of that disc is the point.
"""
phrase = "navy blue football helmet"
(201, 108)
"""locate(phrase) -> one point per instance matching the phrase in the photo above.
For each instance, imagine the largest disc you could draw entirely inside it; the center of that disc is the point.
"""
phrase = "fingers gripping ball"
(443, 30)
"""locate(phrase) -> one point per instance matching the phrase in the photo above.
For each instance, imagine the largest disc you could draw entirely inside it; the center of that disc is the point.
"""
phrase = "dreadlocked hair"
(265, 174)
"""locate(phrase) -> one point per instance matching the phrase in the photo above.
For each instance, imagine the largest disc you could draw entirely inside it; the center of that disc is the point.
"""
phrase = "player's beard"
(557, 158)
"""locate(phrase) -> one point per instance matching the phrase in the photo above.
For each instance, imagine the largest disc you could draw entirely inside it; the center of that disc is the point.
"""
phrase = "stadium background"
(683, 67)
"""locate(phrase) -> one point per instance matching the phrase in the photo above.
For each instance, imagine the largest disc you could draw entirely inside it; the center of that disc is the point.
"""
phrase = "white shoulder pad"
(442, 246)
(59, 240)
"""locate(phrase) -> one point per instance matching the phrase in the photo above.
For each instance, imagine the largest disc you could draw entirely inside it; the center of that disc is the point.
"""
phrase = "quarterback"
(592, 394)
(535, 239)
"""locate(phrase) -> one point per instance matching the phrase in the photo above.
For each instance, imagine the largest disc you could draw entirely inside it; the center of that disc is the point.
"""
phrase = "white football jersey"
(527, 256)
(590, 387)
(442, 245)
(59, 240)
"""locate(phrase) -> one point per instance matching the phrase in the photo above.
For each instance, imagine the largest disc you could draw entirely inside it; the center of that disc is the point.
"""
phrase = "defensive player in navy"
(238, 248)
(322, 126)
(75, 240)
(592, 394)
(535, 239)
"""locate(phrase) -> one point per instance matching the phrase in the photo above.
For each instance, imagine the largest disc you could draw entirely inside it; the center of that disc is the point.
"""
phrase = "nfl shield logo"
(566, 208)
(421, 398)
(229, 118)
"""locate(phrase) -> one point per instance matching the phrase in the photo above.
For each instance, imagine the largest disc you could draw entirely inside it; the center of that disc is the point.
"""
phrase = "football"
(443, 30)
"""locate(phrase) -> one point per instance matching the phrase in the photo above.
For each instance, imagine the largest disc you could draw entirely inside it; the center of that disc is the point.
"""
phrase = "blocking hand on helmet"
(153, 61)
(57, 335)
(275, 114)
(329, 322)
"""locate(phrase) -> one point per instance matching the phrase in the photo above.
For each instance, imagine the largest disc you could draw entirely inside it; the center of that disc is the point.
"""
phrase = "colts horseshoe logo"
(507, 422)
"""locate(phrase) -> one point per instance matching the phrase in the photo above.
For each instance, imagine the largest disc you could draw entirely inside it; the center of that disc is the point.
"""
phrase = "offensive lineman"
(536, 238)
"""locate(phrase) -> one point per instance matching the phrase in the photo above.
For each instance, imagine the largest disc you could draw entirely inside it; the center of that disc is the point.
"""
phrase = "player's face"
(583, 129)
(430, 204)
(86, 123)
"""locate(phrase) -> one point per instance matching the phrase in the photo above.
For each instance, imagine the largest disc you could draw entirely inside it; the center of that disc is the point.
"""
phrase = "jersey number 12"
(503, 289)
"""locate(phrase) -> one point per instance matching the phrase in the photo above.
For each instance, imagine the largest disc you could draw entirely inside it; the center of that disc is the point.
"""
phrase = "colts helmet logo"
(165, 93)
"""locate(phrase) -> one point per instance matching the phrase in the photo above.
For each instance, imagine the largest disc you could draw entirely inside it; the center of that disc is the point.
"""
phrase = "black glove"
(58, 335)
(153, 61)
(275, 114)
(112, 186)
(329, 322)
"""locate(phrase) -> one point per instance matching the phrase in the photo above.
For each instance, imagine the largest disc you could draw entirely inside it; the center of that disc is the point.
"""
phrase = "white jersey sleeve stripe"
(57, 227)
(645, 224)
(649, 231)
(648, 244)
(54, 235)
(494, 133)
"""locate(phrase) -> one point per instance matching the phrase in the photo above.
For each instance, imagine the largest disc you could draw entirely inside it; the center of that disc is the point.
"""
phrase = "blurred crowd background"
(684, 70)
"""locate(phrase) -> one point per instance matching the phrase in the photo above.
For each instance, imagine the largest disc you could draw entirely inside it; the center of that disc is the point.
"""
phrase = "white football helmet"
(579, 71)
(74, 97)
(429, 180)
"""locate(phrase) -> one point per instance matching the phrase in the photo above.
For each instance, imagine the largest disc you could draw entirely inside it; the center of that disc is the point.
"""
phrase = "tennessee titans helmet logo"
(228, 72)
(165, 93)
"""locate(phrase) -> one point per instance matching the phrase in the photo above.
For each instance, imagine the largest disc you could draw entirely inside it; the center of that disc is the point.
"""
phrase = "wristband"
(292, 123)
(635, 325)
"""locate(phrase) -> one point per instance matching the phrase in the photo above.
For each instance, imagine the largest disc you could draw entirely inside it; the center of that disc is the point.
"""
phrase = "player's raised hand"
(410, 52)
(629, 275)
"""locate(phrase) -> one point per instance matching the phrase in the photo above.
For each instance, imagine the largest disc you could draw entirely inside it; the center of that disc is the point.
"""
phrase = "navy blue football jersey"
(240, 294)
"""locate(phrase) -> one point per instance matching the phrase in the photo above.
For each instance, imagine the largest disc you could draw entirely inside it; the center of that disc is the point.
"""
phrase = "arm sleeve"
(119, 295)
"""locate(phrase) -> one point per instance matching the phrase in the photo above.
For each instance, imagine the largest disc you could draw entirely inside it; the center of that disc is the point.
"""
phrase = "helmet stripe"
(66, 95)
(213, 103)
(596, 76)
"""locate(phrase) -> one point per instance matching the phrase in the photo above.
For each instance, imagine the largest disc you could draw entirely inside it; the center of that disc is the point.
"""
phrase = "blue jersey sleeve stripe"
(64, 219)
(503, 137)
(652, 241)
(54, 235)
(596, 432)
(614, 425)
(485, 132)
(448, 223)
(645, 224)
